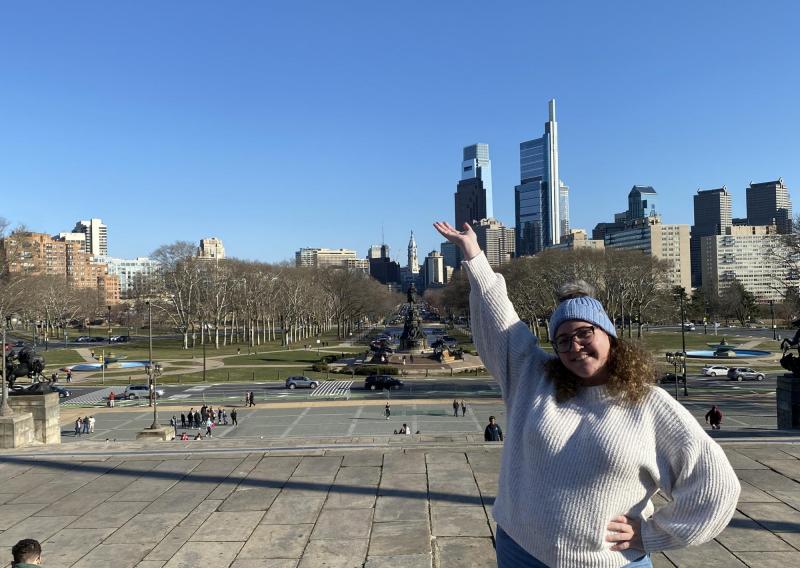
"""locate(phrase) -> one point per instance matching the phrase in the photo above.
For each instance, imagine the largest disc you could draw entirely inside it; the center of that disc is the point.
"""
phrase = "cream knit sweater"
(567, 469)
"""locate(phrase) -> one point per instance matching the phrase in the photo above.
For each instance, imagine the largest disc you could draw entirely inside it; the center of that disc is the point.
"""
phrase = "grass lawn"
(59, 357)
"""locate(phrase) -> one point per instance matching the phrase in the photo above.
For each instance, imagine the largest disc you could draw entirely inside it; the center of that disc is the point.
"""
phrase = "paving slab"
(194, 554)
(460, 552)
(771, 559)
(744, 534)
(228, 526)
(400, 537)
(250, 499)
(401, 561)
(334, 554)
(146, 528)
(276, 541)
(775, 517)
(116, 555)
(350, 524)
(709, 555)
(459, 521)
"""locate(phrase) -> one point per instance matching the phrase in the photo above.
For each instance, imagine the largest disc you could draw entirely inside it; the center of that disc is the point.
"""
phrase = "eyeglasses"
(583, 335)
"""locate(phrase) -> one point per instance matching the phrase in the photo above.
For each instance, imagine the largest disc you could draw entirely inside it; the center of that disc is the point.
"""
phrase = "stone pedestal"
(165, 433)
(788, 401)
(16, 431)
(46, 415)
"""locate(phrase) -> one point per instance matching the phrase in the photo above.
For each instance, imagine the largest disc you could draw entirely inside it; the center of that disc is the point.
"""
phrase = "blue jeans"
(512, 555)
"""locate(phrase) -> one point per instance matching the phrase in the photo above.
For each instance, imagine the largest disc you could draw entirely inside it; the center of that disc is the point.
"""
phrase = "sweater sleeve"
(496, 327)
(696, 475)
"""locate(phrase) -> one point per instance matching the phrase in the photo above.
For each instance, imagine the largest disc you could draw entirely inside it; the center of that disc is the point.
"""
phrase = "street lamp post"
(108, 318)
(317, 347)
(683, 344)
(5, 408)
(673, 360)
(154, 425)
(772, 312)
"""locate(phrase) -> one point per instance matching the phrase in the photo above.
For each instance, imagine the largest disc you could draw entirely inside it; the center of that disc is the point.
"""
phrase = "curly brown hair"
(631, 372)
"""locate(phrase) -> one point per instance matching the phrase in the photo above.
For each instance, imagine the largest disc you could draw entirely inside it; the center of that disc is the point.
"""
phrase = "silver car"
(140, 391)
(301, 382)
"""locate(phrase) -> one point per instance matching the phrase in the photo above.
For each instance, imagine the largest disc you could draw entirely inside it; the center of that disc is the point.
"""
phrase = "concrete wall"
(46, 414)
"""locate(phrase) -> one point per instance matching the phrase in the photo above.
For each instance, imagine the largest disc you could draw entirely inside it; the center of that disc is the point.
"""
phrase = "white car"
(715, 371)
(140, 391)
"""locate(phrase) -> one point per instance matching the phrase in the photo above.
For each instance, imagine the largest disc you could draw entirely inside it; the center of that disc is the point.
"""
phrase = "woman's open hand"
(625, 532)
(466, 240)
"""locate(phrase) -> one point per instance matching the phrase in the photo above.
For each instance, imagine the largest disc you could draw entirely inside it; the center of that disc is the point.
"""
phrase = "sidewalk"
(378, 502)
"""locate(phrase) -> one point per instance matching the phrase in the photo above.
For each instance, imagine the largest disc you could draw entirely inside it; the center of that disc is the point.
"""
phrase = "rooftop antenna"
(383, 240)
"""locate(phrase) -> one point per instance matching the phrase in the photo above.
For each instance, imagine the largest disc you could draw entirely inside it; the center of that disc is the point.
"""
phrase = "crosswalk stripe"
(333, 389)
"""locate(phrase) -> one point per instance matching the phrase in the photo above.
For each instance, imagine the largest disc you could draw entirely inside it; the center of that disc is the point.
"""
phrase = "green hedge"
(377, 370)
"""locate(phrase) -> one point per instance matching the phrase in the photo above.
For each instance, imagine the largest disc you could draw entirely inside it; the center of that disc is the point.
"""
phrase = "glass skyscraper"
(539, 199)
(477, 165)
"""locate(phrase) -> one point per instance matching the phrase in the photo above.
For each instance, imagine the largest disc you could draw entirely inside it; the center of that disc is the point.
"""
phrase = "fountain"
(725, 350)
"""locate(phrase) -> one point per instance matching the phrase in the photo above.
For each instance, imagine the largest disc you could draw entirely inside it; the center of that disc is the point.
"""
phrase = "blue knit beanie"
(583, 308)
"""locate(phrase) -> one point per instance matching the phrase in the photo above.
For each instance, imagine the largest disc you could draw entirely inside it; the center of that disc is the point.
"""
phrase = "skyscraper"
(473, 197)
(712, 216)
(769, 203)
(211, 248)
(96, 232)
(538, 197)
(563, 207)
(477, 164)
(495, 240)
(413, 262)
(642, 201)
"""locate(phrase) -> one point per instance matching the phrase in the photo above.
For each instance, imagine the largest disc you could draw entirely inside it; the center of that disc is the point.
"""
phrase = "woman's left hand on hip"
(625, 533)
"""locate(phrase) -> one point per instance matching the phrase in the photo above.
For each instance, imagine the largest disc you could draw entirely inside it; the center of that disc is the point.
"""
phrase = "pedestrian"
(85, 424)
(405, 430)
(247, 399)
(252, 398)
(209, 426)
(238, 350)
(54, 378)
(493, 432)
(387, 411)
(233, 417)
(184, 436)
(224, 417)
(174, 422)
(91, 424)
(455, 408)
(571, 415)
(183, 420)
(219, 415)
(92, 352)
(190, 417)
(463, 408)
(714, 417)
(69, 375)
(411, 358)
(78, 426)
(111, 398)
(197, 419)
(26, 553)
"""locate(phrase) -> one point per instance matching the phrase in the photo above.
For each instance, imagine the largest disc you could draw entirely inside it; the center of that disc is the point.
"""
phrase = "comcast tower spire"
(553, 190)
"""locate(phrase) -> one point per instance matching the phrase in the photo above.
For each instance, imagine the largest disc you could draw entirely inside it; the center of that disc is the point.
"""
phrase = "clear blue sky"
(278, 125)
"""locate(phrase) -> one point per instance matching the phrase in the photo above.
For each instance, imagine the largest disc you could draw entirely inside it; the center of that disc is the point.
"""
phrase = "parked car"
(62, 392)
(670, 378)
(300, 381)
(715, 370)
(119, 338)
(375, 382)
(140, 391)
(744, 373)
(83, 339)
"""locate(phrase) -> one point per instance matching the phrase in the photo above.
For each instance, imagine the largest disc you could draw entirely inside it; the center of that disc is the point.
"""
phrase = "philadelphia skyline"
(277, 127)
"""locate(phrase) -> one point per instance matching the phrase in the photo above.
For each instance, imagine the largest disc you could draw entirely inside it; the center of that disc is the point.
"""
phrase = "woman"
(590, 440)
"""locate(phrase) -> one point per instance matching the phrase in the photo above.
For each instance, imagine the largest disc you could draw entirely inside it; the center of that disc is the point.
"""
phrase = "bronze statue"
(24, 363)
(412, 294)
(790, 361)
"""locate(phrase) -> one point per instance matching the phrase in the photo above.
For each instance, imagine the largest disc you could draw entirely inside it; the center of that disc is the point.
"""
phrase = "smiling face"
(588, 362)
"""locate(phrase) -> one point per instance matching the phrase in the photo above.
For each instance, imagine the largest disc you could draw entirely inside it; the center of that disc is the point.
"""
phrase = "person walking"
(183, 420)
(387, 411)
(455, 408)
(233, 417)
(493, 432)
(209, 426)
(592, 438)
(111, 398)
(85, 424)
(78, 426)
(69, 375)
(252, 398)
(91, 424)
(463, 408)
(190, 417)
(714, 417)
(174, 423)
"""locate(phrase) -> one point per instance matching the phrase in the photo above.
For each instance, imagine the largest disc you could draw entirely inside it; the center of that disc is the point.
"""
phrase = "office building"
(642, 201)
(413, 263)
(211, 249)
(378, 251)
(384, 270)
(746, 254)
(769, 203)
(563, 205)
(712, 216)
(434, 270)
(470, 201)
(451, 255)
(130, 272)
(666, 242)
(601, 230)
(538, 197)
(477, 165)
(578, 239)
(496, 241)
(96, 236)
(326, 258)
